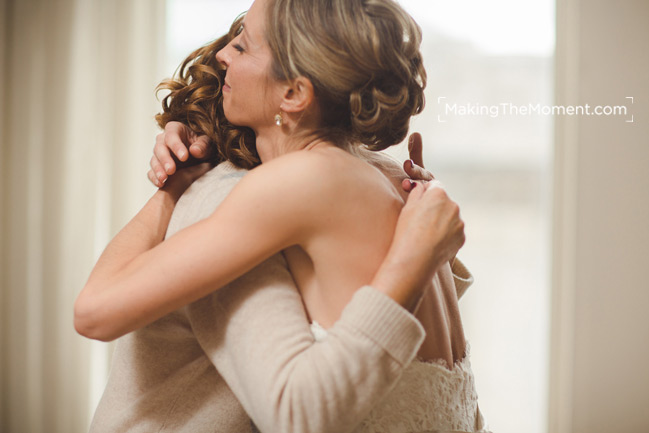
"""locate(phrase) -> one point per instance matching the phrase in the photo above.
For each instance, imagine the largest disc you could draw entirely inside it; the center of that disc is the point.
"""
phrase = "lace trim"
(428, 397)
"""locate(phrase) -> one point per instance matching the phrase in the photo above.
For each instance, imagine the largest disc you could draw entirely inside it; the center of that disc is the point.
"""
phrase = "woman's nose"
(223, 56)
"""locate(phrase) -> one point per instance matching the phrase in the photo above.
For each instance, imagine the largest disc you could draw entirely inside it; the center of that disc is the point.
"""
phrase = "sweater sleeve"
(462, 277)
(257, 335)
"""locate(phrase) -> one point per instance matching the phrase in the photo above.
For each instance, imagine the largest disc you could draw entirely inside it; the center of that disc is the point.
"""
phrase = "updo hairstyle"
(363, 59)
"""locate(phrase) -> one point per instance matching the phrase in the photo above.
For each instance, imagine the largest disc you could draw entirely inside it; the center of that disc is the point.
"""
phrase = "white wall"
(600, 362)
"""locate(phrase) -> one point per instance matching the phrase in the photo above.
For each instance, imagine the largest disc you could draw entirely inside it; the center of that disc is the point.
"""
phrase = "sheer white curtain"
(76, 127)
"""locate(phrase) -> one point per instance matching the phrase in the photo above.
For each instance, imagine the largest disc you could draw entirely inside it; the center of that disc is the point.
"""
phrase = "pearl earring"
(279, 120)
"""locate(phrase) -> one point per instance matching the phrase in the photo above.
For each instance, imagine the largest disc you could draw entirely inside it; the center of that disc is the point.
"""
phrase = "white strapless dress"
(428, 398)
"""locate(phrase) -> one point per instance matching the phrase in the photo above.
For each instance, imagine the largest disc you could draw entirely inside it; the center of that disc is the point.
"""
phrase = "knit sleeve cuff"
(385, 322)
(461, 276)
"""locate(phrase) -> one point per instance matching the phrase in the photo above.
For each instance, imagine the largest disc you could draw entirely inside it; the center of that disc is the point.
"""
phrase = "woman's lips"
(226, 88)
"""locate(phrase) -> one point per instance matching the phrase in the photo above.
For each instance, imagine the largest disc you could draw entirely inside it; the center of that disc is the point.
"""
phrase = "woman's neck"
(277, 142)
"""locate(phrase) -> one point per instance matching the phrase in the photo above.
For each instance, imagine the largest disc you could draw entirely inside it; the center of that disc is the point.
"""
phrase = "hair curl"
(196, 99)
(363, 59)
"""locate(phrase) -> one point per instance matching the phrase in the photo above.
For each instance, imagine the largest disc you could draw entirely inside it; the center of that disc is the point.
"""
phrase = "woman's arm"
(146, 230)
(139, 278)
(179, 140)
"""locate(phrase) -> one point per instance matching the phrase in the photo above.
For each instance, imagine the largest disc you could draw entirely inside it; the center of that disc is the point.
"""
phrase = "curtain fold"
(76, 124)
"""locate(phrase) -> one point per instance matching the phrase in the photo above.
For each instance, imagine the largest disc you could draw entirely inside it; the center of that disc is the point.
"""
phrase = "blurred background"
(556, 206)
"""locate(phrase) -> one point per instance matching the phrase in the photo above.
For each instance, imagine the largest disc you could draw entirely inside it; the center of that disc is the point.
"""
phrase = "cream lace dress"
(428, 398)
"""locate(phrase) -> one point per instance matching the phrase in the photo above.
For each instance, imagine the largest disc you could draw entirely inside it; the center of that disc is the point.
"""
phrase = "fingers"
(177, 139)
(435, 193)
(162, 155)
(415, 172)
(178, 183)
(414, 167)
(200, 148)
(175, 144)
(154, 179)
(415, 149)
(434, 183)
(156, 174)
(408, 185)
(429, 232)
(415, 191)
(447, 217)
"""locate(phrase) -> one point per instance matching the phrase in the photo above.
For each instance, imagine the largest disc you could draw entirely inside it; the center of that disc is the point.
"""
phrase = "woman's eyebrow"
(246, 38)
(240, 29)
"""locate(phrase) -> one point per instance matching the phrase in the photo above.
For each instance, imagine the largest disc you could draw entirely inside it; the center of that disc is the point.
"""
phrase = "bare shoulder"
(296, 173)
(317, 170)
(316, 180)
(294, 184)
(387, 164)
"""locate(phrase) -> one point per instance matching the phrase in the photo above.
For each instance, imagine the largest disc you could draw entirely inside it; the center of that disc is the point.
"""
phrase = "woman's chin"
(234, 119)
(231, 117)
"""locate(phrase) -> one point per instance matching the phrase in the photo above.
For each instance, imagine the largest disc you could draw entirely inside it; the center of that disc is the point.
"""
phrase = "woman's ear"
(298, 96)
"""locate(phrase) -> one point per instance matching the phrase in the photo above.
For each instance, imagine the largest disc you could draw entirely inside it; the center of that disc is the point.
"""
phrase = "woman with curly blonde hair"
(317, 83)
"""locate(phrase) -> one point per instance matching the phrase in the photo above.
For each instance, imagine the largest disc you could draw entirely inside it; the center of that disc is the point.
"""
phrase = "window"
(490, 64)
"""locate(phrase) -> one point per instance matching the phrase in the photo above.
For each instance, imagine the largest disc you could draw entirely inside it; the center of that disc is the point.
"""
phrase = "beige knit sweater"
(245, 354)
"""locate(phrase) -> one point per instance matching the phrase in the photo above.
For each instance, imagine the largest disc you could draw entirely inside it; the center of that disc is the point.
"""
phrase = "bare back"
(362, 207)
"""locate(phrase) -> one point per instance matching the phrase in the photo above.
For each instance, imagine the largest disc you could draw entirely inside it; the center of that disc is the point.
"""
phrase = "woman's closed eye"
(238, 47)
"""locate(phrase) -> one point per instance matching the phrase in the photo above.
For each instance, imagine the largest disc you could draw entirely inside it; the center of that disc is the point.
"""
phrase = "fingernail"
(181, 154)
(412, 163)
(168, 168)
(411, 139)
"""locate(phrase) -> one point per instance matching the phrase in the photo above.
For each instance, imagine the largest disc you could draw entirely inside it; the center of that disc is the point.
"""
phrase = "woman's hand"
(414, 167)
(178, 183)
(179, 141)
(429, 232)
